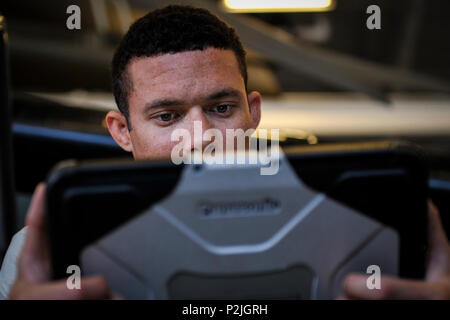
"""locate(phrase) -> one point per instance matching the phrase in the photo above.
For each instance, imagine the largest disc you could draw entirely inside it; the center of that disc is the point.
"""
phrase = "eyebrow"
(225, 93)
(160, 103)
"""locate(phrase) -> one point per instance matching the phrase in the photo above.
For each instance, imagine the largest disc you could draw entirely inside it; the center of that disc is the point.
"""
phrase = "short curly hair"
(172, 29)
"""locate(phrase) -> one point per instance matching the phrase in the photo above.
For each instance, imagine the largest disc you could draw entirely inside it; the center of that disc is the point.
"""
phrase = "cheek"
(242, 120)
(239, 122)
(244, 125)
(148, 144)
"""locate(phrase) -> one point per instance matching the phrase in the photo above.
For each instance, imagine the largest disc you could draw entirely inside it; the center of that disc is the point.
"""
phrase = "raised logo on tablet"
(265, 206)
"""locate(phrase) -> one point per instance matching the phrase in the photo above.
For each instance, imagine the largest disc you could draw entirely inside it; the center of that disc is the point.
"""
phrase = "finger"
(116, 296)
(35, 214)
(33, 261)
(436, 231)
(439, 249)
(391, 288)
(90, 289)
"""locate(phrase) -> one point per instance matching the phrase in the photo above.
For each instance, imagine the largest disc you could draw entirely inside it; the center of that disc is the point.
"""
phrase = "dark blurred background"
(46, 56)
(330, 78)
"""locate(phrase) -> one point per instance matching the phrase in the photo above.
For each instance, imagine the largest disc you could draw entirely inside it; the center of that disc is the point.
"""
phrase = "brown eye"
(223, 108)
(166, 117)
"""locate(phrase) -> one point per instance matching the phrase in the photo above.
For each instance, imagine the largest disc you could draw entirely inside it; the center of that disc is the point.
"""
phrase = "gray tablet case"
(228, 232)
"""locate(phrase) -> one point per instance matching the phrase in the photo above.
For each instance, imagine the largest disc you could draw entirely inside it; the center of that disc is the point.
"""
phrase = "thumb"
(33, 261)
(439, 249)
(355, 287)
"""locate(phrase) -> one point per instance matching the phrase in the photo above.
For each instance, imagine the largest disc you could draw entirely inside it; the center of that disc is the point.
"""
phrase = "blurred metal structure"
(7, 199)
(340, 70)
(409, 41)
(88, 62)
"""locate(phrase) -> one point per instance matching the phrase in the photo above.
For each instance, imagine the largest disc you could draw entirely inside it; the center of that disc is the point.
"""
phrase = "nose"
(198, 124)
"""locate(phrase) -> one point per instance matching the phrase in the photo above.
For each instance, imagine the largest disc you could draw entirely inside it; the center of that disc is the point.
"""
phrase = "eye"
(222, 108)
(167, 117)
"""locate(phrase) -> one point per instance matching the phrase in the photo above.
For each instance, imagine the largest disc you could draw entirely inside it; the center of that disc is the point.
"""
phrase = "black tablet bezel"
(324, 168)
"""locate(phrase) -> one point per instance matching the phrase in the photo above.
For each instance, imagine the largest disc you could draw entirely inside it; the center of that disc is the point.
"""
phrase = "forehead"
(184, 75)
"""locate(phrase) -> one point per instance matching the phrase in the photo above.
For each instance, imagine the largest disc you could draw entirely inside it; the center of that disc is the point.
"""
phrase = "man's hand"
(437, 281)
(33, 274)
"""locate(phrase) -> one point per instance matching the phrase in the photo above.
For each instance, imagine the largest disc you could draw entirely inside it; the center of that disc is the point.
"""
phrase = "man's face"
(171, 91)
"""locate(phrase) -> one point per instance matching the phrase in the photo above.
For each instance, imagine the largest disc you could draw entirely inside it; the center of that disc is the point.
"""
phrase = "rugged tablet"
(156, 230)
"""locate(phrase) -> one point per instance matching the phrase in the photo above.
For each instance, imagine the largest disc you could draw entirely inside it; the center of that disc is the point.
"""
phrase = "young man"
(176, 66)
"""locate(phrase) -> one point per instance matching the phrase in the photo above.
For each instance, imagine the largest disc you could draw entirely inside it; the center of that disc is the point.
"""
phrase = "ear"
(254, 101)
(118, 128)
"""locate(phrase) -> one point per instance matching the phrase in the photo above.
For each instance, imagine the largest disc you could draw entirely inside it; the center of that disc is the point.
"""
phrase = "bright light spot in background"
(278, 5)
